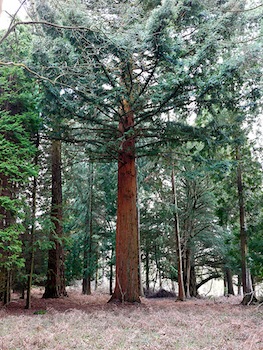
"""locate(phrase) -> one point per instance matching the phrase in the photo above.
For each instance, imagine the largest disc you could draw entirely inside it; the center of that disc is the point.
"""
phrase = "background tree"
(18, 124)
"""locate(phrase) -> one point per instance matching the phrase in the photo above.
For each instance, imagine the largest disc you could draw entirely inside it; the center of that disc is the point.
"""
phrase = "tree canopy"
(159, 88)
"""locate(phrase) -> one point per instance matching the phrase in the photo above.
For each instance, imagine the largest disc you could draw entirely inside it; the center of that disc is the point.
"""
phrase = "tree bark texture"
(189, 274)
(55, 285)
(127, 245)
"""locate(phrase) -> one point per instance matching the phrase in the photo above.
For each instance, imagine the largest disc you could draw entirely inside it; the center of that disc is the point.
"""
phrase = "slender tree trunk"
(160, 279)
(32, 236)
(88, 261)
(139, 248)
(239, 283)
(55, 285)
(7, 291)
(158, 268)
(127, 245)
(97, 268)
(229, 281)
(111, 271)
(187, 272)
(245, 271)
(181, 291)
(147, 268)
(225, 285)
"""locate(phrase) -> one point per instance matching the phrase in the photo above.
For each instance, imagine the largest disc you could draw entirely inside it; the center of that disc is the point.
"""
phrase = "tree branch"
(54, 25)
(216, 275)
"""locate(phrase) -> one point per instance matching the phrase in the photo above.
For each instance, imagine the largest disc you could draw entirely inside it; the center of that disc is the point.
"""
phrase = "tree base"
(50, 294)
(118, 301)
(249, 299)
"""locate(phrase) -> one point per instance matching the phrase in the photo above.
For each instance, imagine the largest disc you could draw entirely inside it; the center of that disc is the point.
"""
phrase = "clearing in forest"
(88, 322)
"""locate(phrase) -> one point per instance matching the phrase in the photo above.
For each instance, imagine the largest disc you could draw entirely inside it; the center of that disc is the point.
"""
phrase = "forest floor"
(89, 323)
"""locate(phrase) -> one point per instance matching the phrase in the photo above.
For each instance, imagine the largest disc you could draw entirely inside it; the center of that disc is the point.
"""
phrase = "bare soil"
(89, 322)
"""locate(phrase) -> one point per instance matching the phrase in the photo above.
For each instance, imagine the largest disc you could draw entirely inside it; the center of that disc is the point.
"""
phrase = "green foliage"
(19, 122)
(11, 247)
(77, 190)
(172, 61)
(40, 312)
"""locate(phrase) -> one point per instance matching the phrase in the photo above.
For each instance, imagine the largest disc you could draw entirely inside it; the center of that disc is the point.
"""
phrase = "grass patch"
(88, 322)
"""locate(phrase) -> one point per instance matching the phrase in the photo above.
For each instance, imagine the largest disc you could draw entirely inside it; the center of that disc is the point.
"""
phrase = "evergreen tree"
(119, 94)
(18, 124)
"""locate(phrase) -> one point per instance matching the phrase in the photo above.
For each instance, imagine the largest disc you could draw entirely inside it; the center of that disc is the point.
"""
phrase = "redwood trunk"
(55, 286)
(127, 245)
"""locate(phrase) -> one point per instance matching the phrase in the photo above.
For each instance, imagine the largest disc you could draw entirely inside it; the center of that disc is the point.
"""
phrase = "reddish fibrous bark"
(55, 286)
(127, 245)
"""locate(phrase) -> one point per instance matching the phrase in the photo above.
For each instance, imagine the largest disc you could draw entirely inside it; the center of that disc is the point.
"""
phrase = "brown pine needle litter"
(88, 322)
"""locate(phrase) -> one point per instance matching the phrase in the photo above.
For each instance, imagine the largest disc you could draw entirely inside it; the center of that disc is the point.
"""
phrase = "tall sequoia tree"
(122, 91)
(127, 244)
(125, 89)
(55, 285)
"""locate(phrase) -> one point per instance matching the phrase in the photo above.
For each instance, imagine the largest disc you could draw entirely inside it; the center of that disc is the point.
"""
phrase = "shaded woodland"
(130, 148)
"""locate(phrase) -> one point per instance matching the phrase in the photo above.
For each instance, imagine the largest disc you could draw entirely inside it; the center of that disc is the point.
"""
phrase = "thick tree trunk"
(55, 285)
(192, 284)
(181, 291)
(245, 271)
(127, 245)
